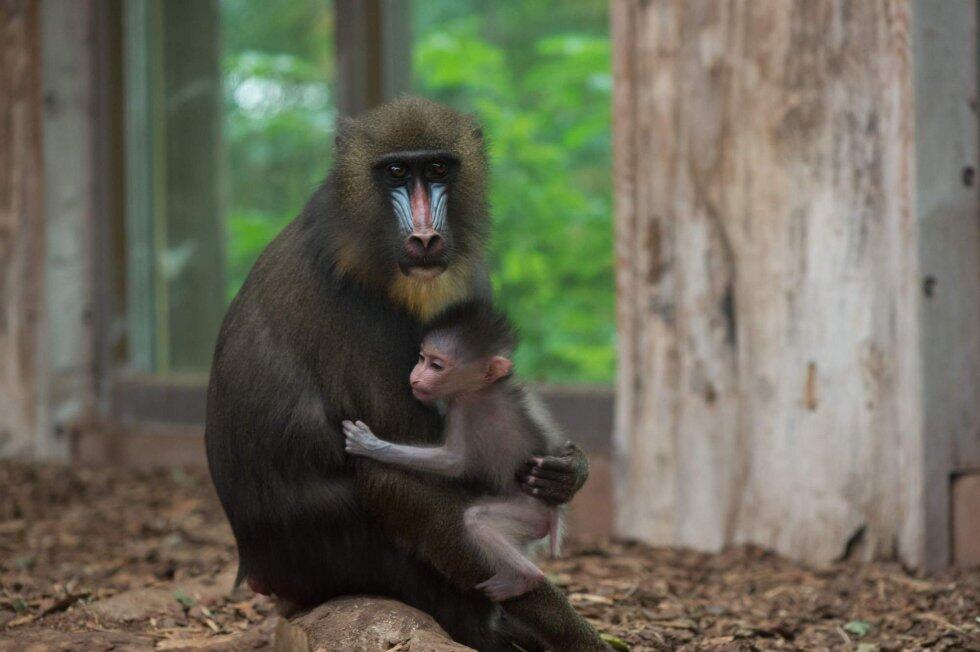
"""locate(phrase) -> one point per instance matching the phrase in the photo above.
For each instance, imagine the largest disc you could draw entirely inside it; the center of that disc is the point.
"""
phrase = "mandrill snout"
(425, 246)
(424, 255)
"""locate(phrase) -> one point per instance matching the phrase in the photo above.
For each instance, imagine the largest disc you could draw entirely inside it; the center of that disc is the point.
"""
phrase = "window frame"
(369, 33)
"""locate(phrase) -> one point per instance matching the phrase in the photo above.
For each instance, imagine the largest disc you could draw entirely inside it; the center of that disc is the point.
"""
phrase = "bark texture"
(768, 389)
(21, 222)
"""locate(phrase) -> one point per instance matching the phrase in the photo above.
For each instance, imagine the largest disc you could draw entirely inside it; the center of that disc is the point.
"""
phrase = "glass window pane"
(279, 113)
(538, 75)
(229, 124)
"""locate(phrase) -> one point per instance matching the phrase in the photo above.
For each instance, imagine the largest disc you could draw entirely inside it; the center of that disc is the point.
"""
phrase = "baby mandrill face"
(441, 373)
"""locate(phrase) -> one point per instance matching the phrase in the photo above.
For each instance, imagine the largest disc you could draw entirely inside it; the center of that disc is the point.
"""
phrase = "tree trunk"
(771, 381)
(21, 222)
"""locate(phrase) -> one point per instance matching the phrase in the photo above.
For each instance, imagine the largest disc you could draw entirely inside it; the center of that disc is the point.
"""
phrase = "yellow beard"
(422, 298)
(426, 298)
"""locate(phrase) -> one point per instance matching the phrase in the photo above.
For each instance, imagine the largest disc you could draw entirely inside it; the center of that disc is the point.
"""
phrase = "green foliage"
(184, 600)
(538, 76)
(859, 628)
(615, 642)
(278, 118)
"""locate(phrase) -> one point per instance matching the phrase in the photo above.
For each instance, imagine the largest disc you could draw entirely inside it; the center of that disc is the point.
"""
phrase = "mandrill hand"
(361, 441)
(555, 479)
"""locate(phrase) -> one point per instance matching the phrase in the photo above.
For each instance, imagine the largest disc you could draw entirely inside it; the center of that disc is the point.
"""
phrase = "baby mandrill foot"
(510, 583)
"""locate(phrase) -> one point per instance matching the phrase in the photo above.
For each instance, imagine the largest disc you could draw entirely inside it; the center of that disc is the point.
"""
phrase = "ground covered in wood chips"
(70, 539)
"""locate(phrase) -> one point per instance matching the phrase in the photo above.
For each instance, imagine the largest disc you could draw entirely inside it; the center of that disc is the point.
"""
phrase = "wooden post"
(773, 384)
(65, 387)
(373, 52)
(21, 222)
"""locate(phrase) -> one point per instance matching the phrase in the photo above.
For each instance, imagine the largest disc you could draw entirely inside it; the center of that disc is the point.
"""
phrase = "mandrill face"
(409, 184)
(419, 184)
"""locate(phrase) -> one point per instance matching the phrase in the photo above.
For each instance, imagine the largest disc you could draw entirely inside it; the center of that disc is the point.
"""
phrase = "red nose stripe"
(421, 211)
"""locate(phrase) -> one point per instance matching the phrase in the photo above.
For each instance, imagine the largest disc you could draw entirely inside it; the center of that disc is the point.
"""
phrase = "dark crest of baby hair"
(481, 330)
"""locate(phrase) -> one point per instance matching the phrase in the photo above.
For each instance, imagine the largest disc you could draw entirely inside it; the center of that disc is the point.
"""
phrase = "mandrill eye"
(396, 171)
(437, 170)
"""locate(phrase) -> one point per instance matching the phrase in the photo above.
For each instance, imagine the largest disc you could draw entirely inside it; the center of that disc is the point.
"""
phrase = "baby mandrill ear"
(498, 368)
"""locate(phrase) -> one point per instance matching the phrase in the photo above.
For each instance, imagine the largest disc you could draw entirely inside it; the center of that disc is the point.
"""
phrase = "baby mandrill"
(492, 429)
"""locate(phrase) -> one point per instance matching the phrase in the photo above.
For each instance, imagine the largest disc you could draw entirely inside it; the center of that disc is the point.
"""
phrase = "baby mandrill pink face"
(441, 373)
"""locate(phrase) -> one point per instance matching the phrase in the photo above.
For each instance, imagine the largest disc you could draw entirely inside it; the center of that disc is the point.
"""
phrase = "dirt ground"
(71, 538)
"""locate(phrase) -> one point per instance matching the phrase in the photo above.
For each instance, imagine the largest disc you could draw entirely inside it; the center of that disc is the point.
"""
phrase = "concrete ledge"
(365, 624)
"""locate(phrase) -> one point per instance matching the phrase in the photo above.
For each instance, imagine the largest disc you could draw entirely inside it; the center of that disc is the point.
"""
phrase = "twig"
(939, 620)
(64, 603)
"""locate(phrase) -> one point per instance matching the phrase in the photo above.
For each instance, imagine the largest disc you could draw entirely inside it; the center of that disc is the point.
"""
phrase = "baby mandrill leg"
(496, 528)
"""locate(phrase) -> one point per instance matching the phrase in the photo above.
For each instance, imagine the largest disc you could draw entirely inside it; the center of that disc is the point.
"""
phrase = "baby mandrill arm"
(438, 460)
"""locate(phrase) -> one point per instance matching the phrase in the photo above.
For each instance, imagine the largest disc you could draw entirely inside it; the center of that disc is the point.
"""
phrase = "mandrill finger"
(547, 485)
(554, 464)
(553, 497)
(536, 481)
(560, 476)
(550, 464)
(563, 479)
(528, 489)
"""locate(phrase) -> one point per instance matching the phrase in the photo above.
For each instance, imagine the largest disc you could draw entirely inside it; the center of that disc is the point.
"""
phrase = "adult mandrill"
(326, 328)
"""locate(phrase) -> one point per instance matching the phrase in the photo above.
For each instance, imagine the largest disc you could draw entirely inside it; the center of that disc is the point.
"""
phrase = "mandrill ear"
(498, 368)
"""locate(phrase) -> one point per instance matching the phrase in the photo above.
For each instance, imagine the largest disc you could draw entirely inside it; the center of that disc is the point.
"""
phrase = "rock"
(363, 624)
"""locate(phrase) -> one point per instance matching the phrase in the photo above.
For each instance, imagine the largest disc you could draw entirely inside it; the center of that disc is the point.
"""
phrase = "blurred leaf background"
(537, 74)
